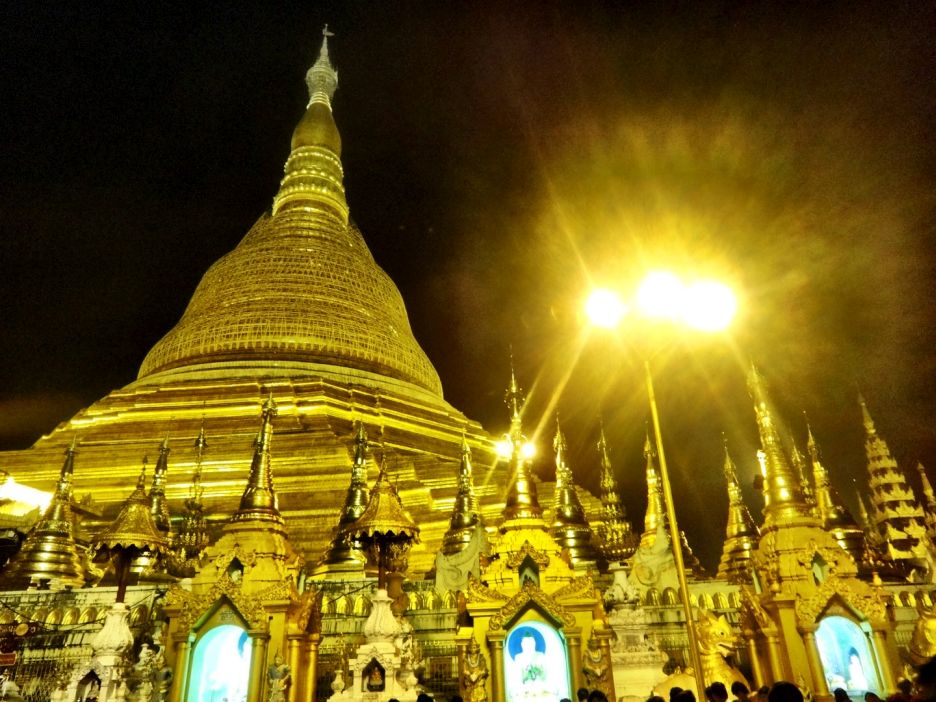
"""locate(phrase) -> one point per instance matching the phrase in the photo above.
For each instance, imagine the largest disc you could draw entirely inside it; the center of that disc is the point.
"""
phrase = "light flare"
(605, 308)
(709, 306)
(662, 295)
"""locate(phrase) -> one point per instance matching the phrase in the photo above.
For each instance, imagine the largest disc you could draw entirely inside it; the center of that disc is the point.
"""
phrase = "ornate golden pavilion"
(299, 330)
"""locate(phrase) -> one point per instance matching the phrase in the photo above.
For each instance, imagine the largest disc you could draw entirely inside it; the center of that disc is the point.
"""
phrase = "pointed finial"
(649, 450)
(322, 78)
(866, 416)
(200, 442)
(811, 444)
(141, 481)
(559, 442)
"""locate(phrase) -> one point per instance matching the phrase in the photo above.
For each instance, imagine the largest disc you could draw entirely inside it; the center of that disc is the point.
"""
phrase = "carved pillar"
(819, 685)
(496, 650)
(310, 672)
(181, 672)
(258, 665)
(756, 670)
(294, 643)
(574, 639)
(884, 663)
(773, 654)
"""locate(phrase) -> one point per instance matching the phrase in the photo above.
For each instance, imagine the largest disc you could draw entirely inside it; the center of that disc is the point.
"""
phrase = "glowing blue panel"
(846, 656)
(536, 664)
(220, 666)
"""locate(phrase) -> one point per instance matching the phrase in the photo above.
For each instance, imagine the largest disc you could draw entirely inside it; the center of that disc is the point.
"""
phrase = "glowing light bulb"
(604, 308)
(709, 306)
(503, 448)
(662, 295)
(528, 450)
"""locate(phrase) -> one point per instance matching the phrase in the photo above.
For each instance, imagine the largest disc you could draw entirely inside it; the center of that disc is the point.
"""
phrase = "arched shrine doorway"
(846, 656)
(220, 665)
(536, 664)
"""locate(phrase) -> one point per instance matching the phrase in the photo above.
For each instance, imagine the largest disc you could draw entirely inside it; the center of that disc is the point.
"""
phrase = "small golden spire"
(465, 513)
(344, 553)
(259, 501)
(742, 534)
(522, 503)
(193, 533)
(656, 510)
(159, 507)
(49, 553)
(617, 538)
(570, 528)
(783, 492)
(799, 462)
(929, 503)
(836, 519)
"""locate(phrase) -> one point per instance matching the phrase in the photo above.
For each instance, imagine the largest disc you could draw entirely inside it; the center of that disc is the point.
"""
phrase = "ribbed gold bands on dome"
(302, 285)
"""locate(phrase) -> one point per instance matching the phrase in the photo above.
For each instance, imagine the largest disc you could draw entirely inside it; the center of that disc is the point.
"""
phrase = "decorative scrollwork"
(530, 594)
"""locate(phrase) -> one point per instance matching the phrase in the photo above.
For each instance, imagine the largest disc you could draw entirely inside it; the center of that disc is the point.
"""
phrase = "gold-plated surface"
(656, 513)
(570, 527)
(897, 515)
(384, 513)
(522, 504)
(799, 462)
(159, 508)
(345, 553)
(193, 533)
(134, 527)
(466, 515)
(783, 491)
(741, 533)
(617, 538)
(835, 517)
(259, 502)
(302, 285)
(49, 552)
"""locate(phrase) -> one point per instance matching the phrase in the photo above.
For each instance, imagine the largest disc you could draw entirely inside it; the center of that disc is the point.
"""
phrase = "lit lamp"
(704, 305)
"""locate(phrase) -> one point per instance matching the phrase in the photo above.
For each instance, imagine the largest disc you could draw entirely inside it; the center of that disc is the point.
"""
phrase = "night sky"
(499, 159)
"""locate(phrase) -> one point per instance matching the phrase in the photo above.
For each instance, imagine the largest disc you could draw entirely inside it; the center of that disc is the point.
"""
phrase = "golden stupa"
(301, 310)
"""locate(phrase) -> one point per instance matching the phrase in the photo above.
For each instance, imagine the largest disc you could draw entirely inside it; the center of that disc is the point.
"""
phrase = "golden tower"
(898, 517)
(741, 533)
(929, 506)
(466, 517)
(301, 309)
(522, 508)
(570, 527)
(617, 537)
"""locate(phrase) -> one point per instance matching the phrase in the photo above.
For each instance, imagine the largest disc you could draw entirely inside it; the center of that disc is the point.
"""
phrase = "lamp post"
(706, 306)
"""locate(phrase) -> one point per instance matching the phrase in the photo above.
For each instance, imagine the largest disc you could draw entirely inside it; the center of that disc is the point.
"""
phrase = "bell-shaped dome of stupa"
(302, 285)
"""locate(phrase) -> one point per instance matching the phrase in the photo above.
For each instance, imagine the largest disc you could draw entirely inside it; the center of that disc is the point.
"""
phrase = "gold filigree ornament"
(479, 592)
(855, 594)
(528, 549)
(530, 594)
(193, 608)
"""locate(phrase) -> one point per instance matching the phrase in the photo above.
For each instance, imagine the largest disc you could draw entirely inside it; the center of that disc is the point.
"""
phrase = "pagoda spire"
(799, 462)
(570, 528)
(193, 533)
(159, 507)
(656, 510)
(466, 516)
(929, 504)
(741, 533)
(259, 502)
(616, 536)
(522, 504)
(314, 177)
(836, 519)
(898, 518)
(345, 553)
(49, 553)
(783, 491)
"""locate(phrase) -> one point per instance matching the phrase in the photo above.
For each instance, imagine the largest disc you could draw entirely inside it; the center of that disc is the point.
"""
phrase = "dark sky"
(498, 158)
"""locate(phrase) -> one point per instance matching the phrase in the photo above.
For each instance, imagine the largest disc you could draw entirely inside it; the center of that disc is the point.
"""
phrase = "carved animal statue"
(922, 644)
(716, 640)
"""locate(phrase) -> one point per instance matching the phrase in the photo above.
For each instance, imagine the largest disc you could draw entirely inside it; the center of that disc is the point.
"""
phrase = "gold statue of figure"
(476, 673)
(596, 666)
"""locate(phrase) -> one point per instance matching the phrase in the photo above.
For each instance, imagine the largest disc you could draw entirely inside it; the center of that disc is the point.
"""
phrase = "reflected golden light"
(528, 450)
(709, 306)
(605, 308)
(662, 295)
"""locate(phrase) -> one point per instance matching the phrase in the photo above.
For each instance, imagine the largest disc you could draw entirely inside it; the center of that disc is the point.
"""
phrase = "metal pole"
(675, 539)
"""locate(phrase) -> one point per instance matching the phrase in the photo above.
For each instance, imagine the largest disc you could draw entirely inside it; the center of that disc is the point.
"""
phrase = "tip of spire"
(141, 481)
(649, 450)
(73, 446)
(322, 78)
(866, 415)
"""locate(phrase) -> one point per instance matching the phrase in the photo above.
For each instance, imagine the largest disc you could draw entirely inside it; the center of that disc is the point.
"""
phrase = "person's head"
(565, 699)
(673, 691)
(597, 696)
(763, 690)
(784, 692)
(423, 697)
(655, 698)
(739, 690)
(582, 694)
(840, 695)
(871, 697)
(905, 687)
(926, 680)
(685, 696)
(719, 692)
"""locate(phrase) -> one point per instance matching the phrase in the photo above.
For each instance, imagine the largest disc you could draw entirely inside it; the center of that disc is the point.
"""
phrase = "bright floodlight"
(709, 306)
(529, 449)
(662, 295)
(604, 308)
(503, 448)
